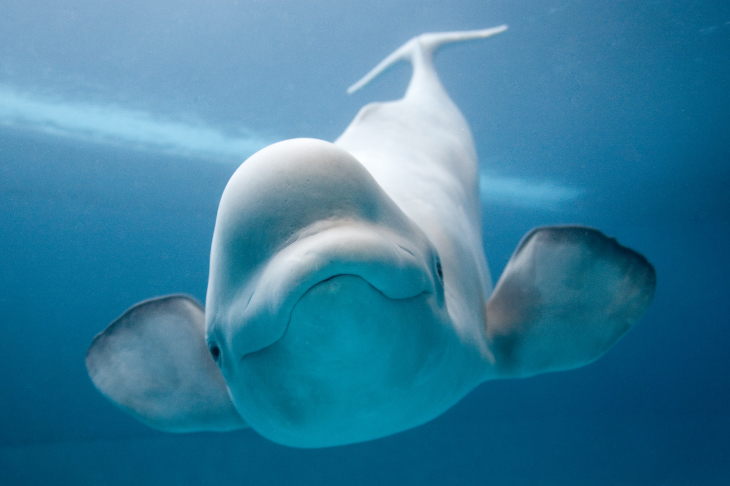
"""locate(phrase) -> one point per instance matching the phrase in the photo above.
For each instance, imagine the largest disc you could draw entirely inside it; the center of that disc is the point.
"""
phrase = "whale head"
(325, 303)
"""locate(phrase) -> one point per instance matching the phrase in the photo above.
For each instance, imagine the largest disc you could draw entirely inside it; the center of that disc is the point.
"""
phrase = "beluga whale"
(349, 296)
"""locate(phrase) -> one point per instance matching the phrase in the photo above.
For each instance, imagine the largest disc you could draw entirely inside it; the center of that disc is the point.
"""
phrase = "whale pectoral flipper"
(154, 364)
(565, 297)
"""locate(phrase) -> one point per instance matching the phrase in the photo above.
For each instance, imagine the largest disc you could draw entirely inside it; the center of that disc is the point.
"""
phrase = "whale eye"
(439, 271)
(215, 351)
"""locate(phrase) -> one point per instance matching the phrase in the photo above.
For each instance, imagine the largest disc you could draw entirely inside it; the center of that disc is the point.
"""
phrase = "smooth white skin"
(396, 192)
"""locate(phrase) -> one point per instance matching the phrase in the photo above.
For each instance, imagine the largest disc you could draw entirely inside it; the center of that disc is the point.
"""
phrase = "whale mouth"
(349, 354)
(393, 265)
(303, 295)
(346, 276)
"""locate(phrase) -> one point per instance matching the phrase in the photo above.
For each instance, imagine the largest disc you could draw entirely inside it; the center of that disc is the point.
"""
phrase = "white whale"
(349, 296)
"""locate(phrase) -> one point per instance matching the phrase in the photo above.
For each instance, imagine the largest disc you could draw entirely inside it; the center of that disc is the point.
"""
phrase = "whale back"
(420, 150)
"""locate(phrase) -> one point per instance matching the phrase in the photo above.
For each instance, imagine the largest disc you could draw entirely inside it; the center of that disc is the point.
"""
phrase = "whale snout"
(387, 262)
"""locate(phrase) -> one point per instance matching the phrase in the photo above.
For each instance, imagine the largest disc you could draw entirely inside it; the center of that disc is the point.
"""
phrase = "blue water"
(625, 106)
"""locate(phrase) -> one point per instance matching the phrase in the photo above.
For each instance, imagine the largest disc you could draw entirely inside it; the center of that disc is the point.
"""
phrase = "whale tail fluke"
(419, 51)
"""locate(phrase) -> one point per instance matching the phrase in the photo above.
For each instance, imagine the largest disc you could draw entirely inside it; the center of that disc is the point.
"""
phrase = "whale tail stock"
(419, 52)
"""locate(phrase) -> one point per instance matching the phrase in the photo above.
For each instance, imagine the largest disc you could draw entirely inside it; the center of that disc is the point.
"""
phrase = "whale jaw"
(352, 366)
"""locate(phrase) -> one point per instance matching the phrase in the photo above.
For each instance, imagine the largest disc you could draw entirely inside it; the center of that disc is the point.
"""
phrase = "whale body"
(349, 297)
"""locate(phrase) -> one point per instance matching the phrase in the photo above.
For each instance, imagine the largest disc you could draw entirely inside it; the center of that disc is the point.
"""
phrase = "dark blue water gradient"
(629, 102)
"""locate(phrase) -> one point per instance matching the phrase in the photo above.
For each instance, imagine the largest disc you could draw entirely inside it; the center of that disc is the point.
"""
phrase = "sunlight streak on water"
(116, 125)
(514, 191)
(141, 130)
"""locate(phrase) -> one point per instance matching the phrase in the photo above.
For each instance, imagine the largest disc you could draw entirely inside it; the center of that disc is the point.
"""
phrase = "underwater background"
(121, 122)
